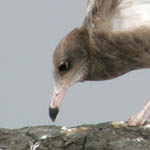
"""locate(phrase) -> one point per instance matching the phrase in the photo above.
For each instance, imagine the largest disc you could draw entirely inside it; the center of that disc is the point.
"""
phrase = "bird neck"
(113, 54)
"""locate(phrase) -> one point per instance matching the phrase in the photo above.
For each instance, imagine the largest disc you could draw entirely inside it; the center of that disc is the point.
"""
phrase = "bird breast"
(129, 14)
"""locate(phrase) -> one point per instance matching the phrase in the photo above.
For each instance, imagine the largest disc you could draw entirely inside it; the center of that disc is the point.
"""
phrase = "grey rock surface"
(104, 136)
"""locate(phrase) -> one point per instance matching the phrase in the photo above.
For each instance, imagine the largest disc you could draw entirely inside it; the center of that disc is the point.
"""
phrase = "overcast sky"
(27, 42)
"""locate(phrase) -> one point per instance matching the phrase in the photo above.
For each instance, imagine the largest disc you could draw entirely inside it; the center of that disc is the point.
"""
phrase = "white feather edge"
(90, 5)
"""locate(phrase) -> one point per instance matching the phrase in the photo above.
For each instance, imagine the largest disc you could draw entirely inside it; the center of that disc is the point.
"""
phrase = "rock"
(104, 136)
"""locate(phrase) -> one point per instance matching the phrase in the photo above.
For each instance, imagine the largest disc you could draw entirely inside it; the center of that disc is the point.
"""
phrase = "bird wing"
(119, 15)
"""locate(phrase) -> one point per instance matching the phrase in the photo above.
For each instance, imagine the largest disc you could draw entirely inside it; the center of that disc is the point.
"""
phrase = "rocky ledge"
(104, 136)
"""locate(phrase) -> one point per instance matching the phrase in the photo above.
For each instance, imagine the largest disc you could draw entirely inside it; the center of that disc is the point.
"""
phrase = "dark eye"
(64, 66)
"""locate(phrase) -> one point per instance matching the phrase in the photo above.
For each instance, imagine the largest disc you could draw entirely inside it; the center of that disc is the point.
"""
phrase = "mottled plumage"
(114, 39)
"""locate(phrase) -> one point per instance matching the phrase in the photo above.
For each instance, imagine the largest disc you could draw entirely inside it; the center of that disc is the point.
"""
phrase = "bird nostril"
(53, 104)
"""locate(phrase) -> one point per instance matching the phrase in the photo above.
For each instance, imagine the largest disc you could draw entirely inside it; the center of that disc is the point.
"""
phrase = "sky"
(29, 33)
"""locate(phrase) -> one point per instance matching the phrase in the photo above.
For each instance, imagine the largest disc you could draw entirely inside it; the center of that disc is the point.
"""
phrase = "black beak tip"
(53, 113)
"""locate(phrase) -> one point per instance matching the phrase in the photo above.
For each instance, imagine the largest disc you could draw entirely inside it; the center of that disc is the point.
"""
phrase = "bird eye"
(64, 66)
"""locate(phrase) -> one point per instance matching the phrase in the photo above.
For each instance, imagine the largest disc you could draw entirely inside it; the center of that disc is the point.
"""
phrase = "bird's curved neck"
(113, 54)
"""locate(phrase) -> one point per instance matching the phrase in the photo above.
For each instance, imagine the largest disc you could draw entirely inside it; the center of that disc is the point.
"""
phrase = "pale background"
(29, 33)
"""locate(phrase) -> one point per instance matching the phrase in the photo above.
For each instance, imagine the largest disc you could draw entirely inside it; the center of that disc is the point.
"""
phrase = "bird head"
(70, 65)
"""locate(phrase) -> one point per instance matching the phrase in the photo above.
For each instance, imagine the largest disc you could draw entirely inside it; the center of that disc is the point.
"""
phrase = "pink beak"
(56, 101)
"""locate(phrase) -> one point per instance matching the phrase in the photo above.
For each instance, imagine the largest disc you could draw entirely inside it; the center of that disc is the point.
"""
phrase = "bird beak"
(56, 101)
